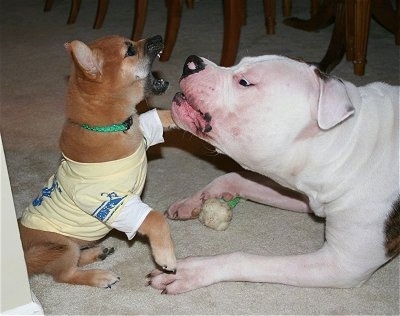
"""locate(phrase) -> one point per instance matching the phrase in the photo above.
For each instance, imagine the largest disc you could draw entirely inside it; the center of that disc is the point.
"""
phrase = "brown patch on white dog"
(392, 231)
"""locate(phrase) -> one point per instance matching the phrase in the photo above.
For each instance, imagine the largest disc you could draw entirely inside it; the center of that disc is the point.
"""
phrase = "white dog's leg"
(319, 269)
(247, 185)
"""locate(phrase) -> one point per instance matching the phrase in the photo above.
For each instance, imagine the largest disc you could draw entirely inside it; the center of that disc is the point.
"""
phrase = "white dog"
(337, 145)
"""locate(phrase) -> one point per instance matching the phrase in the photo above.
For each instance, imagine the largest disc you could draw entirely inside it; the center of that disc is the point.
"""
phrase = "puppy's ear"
(84, 58)
(334, 104)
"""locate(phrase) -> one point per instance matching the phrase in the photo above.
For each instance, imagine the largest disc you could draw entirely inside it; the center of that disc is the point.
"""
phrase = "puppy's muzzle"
(153, 46)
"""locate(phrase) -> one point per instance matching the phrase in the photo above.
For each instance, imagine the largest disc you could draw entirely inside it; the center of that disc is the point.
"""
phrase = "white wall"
(15, 291)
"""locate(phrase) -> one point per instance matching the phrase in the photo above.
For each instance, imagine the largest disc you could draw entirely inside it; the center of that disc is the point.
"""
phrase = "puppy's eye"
(245, 83)
(131, 51)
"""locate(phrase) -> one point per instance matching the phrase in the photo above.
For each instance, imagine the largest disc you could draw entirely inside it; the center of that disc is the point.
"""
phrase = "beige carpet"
(34, 68)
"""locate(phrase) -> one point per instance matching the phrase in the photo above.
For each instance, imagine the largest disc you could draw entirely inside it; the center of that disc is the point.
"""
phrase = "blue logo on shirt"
(46, 192)
(107, 208)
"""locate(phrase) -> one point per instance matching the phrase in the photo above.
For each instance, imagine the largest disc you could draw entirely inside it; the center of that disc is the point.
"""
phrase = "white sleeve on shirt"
(131, 217)
(151, 127)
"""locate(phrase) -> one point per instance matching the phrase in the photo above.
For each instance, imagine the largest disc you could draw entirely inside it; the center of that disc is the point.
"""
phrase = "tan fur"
(104, 88)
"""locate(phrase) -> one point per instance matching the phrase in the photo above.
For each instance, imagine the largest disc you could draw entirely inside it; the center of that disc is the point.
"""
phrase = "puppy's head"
(114, 71)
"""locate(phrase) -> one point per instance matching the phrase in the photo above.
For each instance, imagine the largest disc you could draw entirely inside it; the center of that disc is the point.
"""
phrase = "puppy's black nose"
(192, 65)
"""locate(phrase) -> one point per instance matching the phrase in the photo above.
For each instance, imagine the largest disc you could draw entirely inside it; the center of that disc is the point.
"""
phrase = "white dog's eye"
(245, 83)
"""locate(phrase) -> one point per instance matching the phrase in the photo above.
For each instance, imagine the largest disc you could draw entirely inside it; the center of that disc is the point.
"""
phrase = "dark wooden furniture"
(351, 29)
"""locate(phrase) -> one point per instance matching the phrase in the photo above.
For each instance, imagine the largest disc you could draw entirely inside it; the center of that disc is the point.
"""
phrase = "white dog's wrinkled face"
(291, 100)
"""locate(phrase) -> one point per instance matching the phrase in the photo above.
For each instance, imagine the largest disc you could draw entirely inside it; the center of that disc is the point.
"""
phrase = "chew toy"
(217, 213)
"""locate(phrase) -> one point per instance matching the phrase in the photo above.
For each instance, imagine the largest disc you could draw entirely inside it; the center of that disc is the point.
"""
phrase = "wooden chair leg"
(233, 20)
(362, 18)
(270, 14)
(73, 13)
(286, 7)
(102, 6)
(314, 6)
(243, 13)
(319, 20)
(174, 12)
(48, 5)
(139, 19)
(337, 44)
(349, 25)
(398, 23)
(190, 4)
(384, 13)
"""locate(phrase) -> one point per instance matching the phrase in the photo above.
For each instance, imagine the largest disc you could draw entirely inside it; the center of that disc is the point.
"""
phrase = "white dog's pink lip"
(179, 97)
(188, 112)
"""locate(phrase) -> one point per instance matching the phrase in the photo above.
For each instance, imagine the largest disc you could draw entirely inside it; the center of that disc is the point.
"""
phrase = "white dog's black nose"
(192, 65)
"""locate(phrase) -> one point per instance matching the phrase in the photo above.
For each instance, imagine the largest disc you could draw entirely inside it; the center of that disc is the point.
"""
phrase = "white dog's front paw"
(191, 273)
(188, 208)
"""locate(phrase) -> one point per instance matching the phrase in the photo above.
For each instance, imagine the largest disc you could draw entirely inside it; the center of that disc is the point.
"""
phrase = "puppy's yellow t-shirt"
(87, 200)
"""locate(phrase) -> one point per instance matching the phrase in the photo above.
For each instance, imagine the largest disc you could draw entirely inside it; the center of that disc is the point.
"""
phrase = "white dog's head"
(290, 100)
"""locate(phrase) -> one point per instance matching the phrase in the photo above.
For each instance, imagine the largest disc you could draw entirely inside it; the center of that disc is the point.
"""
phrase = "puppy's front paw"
(166, 119)
(156, 228)
(165, 258)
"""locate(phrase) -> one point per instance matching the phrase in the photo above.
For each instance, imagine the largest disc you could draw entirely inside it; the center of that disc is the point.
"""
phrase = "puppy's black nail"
(164, 291)
(102, 256)
(109, 251)
(167, 271)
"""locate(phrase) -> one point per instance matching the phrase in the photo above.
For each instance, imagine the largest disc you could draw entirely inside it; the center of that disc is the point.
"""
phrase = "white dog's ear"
(334, 104)
(84, 58)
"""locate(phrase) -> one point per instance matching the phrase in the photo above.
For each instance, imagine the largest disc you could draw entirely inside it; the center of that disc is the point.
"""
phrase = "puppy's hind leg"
(38, 256)
(65, 268)
(92, 254)
(40, 248)
(166, 119)
(156, 228)
(58, 255)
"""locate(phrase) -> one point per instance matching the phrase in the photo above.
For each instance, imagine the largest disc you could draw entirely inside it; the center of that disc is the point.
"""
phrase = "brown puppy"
(98, 184)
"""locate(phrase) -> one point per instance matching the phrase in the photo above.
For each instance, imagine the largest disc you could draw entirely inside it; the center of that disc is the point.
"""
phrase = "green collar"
(122, 127)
